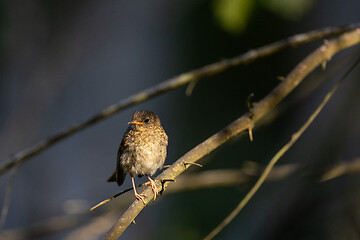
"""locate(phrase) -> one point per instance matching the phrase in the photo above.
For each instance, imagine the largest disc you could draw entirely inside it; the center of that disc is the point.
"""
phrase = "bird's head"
(145, 119)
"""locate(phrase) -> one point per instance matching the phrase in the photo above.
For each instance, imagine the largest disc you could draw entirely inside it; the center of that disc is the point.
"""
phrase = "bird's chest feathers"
(143, 157)
(148, 153)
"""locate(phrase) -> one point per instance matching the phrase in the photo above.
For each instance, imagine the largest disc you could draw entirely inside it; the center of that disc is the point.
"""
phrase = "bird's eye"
(147, 120)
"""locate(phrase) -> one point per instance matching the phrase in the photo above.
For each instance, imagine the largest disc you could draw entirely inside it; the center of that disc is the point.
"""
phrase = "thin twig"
(173, 83)
(7, 198)
(109, 199)
(323, 53)
(341, 169)
(94, 228)
(193, 163)
(190, 88)
(186, 182)
(249, 105)
(277, 156)
(113, 197)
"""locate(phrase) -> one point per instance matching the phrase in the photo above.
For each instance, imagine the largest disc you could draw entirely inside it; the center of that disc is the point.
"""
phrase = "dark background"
(63, 61)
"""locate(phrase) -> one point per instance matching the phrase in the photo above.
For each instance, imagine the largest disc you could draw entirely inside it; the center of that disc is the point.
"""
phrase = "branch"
(248, 174)
(173, 83)
(277, 157)
(7, 198)
(319, 56)
(227, 177)
(342, 169)
(187, 182)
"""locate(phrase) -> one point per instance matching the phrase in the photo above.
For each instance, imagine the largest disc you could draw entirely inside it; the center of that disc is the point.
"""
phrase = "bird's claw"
(153, 187)
(140, 197)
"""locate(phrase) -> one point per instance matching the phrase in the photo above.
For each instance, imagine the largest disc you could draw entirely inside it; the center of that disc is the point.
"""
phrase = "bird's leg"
(137, 196)
(153, 186)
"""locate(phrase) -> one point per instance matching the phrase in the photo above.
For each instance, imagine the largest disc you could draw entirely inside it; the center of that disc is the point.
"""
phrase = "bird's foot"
(140, 197)
(153, 186)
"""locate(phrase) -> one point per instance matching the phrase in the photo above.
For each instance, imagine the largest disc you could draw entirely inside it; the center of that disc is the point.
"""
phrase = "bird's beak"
(136, 123)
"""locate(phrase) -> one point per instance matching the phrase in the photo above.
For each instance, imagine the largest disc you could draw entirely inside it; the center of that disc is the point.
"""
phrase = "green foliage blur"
(234, 15)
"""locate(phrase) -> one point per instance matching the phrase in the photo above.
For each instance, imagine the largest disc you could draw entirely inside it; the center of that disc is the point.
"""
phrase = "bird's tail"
(119, 177)
(112, 178)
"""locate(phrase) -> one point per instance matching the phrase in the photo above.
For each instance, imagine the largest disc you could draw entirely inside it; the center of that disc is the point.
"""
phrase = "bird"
(142, 151)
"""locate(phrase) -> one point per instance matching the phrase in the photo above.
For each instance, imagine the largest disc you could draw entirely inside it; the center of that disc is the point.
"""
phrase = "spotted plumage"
(142, 150)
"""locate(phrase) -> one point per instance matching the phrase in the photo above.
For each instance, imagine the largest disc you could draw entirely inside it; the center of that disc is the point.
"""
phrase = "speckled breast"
(147, 156)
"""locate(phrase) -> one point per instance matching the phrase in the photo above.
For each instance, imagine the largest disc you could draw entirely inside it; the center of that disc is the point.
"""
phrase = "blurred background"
(63, 61)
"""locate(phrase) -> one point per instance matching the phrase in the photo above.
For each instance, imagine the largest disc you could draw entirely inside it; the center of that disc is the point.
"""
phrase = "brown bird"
(142, 150)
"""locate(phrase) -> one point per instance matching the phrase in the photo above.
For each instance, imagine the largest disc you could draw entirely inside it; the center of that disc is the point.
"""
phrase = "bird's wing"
(119, 172)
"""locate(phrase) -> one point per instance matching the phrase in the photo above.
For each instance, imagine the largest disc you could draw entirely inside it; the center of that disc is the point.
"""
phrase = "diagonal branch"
(276, 158)
(173, 83)
(319, 56)
(186, 182)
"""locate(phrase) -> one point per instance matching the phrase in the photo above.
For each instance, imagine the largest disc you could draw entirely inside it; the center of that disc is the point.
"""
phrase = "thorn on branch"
(251, 133)
(280, 78)
(323, 65)
(190, 88)
(165, 166)
(250, 105)
(192, 163)
(163, 181)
